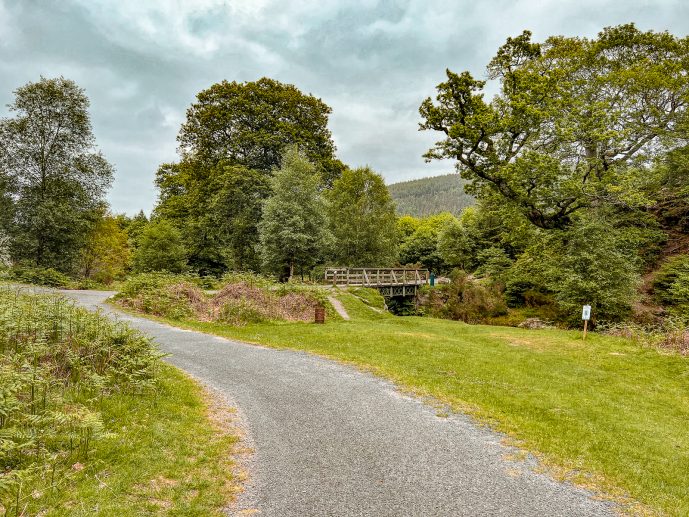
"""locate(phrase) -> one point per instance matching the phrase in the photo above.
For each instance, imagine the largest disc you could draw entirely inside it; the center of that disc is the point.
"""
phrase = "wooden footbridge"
(389, 281)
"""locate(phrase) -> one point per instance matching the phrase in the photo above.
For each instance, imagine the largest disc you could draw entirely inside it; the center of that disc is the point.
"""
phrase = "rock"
(533, 323)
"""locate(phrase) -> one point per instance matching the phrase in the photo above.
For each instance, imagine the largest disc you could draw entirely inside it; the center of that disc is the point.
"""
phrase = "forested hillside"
(428, 196)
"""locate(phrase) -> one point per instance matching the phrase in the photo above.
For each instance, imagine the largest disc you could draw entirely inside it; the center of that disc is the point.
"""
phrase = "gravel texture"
(331, 440)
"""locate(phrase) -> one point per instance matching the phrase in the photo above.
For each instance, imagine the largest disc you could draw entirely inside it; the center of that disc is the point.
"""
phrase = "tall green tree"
(361, 218)
(571, 117)
(292, 231)
(251, 124)
(217, 212)
(234, 211)
(56, 176)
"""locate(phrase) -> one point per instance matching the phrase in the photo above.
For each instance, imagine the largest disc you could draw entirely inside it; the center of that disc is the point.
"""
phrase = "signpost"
(586, 316)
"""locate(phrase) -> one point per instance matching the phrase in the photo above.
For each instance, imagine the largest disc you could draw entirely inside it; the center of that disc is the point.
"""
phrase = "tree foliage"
(217, 211)
(106, 254)
(361, 218)
(54, 174)
(420, 240)
(572, 115)
(160, 249)
(292, 231)
(251, 123)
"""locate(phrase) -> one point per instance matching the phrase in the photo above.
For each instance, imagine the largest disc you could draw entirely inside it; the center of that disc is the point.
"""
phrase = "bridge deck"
(376, 277)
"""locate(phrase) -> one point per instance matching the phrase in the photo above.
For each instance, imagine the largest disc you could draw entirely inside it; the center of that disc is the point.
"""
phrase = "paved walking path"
(330, 440)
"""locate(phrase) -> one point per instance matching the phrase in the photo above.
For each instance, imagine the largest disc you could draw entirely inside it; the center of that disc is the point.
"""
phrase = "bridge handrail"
(372, 276)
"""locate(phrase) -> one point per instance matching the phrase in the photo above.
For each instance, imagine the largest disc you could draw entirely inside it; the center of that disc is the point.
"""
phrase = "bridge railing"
(376, 277)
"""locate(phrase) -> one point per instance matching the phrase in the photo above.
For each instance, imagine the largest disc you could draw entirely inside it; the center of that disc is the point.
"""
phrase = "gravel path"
(332, 441)
(337, 305)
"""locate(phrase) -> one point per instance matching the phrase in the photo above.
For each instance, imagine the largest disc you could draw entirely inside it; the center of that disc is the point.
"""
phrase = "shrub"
(466, 299)
(238, 303)
(586, 264)
(671, 335)
(671, 282)
(48, 277)
(163, 294)
(240, 312)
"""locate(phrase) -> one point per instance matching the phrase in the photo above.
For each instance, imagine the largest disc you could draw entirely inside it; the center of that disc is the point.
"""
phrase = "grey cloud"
(142, 63)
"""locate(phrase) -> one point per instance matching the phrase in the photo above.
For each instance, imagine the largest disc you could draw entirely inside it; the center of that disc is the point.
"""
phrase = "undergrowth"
(242, 298)
(55, 361)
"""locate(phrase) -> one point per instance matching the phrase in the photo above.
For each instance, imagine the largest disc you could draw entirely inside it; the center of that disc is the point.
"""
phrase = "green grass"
(606, 413)
(163, 457)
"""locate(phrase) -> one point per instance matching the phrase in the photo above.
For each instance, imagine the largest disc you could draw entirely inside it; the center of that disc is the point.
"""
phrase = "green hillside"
(428, 196)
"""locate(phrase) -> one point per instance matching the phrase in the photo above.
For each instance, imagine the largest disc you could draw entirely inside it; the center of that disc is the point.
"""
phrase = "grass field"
(606, 413)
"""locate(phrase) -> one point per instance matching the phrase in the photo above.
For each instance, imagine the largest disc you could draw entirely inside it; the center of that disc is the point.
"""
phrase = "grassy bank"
(608, 412)
(93, 423)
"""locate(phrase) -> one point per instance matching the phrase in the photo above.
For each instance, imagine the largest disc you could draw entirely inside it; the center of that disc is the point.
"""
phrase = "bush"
(671, 335)
(56, 362)
(588, 263)
(163, 294)
(671, 282)
(48, 277)
(240, 312)
(465, 298)
(238, 303)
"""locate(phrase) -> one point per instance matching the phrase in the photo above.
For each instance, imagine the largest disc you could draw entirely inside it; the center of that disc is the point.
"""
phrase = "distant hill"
(427, 196)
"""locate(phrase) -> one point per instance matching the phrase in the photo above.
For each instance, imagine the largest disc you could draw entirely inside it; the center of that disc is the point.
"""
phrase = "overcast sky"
(143, 61)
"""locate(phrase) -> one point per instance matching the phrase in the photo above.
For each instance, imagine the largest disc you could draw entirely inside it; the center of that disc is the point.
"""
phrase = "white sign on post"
(586, 313)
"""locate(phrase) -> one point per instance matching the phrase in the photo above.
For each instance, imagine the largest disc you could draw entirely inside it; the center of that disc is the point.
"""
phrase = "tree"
(217, 211)
(251, 124)
(234, 211)
(361, 218)
(106, 254)
(421, 246)
(57, 178)
(565, 265)
(292, 231)
(160, 249)
(571, 117)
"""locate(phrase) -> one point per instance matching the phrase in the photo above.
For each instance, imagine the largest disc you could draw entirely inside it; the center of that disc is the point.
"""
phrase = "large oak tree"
(572, 117)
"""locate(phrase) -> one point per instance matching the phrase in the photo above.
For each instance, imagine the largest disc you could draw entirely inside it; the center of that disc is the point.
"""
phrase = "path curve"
(333, 441)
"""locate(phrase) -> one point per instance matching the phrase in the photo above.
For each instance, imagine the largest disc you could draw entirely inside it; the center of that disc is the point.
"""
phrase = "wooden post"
(586, 315)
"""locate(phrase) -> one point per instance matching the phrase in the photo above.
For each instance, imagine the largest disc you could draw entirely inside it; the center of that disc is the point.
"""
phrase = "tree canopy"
(292, 231)
(361, 218)
(572, 116)
(251, 123)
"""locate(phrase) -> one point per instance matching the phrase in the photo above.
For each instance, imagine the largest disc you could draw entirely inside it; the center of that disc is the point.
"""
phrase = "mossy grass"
(607, 413)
